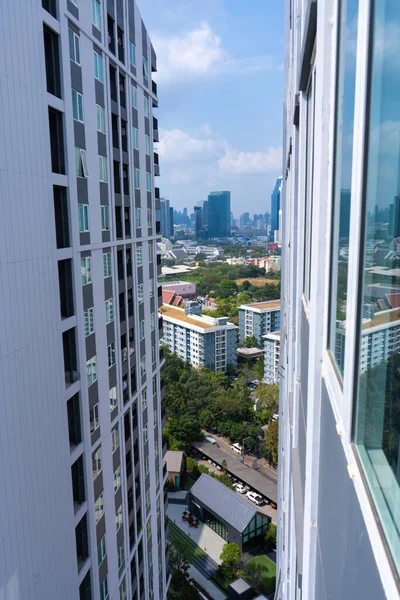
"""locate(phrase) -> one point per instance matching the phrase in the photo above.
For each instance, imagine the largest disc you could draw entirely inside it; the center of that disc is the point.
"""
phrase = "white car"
(256, 498)
(240, 488)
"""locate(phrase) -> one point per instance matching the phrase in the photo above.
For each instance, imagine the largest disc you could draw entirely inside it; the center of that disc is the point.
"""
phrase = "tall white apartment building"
(272, 351)
(82, 498)
(339, 451)
(199, 339)
(258, 319)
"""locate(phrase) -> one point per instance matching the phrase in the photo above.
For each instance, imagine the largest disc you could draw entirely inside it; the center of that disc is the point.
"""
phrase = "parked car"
(240, 488)
(256, 498)
(238, 448)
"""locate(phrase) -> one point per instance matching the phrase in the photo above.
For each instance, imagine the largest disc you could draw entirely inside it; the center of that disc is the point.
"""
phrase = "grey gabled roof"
(173, 458)
(223, 502)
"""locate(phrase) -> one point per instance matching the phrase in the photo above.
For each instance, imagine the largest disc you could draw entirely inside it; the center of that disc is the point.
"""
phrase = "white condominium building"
(272, 350)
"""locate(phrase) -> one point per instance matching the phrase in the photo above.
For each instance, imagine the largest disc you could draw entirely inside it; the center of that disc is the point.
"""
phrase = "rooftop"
(382, 318)
(273, 335)
(203, 322)
(225, 503)
(173, 459)
(260, 306)
(240, 586)
(250, 352)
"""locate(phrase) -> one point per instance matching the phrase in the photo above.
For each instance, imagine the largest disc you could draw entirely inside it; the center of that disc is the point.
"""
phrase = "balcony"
(78, 483)
(81, 538)
(120, 38)
(111, 35)
(70, 357)
(158, 227)
(157, 193)
(154, 88)
(61, 217)
(74, 421)
(56, 141)
(156, 165)
(155, 130)
(52, 58)
(65, 287)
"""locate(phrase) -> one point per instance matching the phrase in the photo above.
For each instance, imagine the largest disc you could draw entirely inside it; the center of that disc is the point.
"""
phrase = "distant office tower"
(339, 453)
(258, 319)
(81, 497)
(201, 340)
(205, 217)
(272, 350)
(275, 207)
(165, 219)
(219, 209)
(198, 221)
(171, 222)
(244, 219)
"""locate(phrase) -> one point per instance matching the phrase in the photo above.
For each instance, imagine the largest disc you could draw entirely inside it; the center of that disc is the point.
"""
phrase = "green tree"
(271, 441)
(250, 342)
(230, 555)
(258, 369)
(267, 395)
(270, 537)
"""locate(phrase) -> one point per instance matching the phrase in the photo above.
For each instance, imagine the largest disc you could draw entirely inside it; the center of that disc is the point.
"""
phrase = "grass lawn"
(189, 481)
(258, 281)
(268, 565)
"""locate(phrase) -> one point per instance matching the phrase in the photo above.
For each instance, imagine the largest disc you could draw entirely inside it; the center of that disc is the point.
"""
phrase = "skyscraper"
(165, 219)
(82, 504)
(339, 460)
(198, 221)
(219, 210)
(275, 207)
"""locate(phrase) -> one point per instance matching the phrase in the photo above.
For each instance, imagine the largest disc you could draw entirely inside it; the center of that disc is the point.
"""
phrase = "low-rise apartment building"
(272, 351)
(199, 339)
(258, 319)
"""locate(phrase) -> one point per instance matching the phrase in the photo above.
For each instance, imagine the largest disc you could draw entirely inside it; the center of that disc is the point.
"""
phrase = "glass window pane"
(342, 179)
(309, 184)
(377, 426)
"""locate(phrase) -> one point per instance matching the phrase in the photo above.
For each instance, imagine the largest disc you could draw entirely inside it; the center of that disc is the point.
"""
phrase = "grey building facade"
(338, 534)
(83, 514)
(258, 319)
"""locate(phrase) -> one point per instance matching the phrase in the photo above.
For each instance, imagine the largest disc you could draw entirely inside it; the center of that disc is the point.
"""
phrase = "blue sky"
(220, 86)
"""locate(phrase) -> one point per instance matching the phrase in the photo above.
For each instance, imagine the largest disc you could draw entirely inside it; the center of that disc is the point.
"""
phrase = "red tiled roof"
(167, 296)
(394, 300)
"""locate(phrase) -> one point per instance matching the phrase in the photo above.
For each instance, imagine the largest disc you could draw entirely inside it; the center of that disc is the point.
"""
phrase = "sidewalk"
(206, 584)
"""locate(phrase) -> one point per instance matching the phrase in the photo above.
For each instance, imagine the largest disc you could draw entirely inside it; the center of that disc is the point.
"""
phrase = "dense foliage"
(196, 469)
(199, 398)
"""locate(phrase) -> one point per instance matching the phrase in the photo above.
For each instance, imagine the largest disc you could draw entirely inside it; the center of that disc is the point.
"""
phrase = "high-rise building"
(275, 207)
(339, 459)
(198, 221)
(219, 210)
(165, 219)
(171, 222)
(272, 349)
(205, 218)
(82, 498)
(199, 339)
(258, 319)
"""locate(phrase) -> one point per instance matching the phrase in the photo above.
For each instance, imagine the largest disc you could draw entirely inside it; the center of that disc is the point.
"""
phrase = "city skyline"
(203, 146)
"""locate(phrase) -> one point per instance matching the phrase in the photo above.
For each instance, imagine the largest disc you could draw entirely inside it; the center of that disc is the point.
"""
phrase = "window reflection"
(342, 181)
(377, 427)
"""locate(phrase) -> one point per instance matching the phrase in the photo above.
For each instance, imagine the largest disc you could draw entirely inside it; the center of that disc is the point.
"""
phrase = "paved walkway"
(202, 535)
(208, 585)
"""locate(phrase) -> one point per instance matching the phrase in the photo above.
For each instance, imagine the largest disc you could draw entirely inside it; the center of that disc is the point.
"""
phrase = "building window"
(144, 399)
(98, 66)
(86, 270)
(74, 53)
(150, 252)
(309, 184)
(120, 555)
(342, 180)
(94, 418)
(115, 439)
(105, 217)
(148, 529)
(140, 292)
(145, 434)
(153, 322)
(99, 507)
(118, 517)
(146, 106)
(103, 169)
(148, 181)
(107, 264)
(104, 589)
(113, 398)
(77, 106)
(101, 550)
(117, 479)
(139, 251)
(141, 330)
(148, 145)
(109, 310)
(145, 67)
(143, 366)
(96, 463)
(81, 164)
(83, 216)
(91, 370)
(135, 139)
(137, 179)
(149, 217)
(96, 16)
(132, 54)
(153, 348)
(133, 95)
(147, 499)
(146, 466)
(111, 354)
(100, 119)
(151, 287)
(377, 423)
(88, 321)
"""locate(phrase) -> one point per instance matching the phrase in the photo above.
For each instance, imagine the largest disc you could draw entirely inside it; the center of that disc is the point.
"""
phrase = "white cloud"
(201, 154)
(235, 161)
(199, 53)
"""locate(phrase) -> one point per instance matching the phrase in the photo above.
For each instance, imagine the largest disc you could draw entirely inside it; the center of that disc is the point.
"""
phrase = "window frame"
(96, 420)
(98, 66)
(83, 218)
(135, 138)
(146, 101)
(101, 550)
(136, 178)
(96, 14)
(73, 39)
(88, 319)
(111, 355)
(105, 217)
(148, 145)
(117, 479)
(103, 169)
(97, 460)
(148, 182)
(115, 439)
(109, 303)
(113, 401)
(77, 106)
(87, 260)
(145, 67)
(91, 362)
(100, 502)
(81, 163)
(139, 254)
(107, 265)
(132, 46)
(102, 119)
